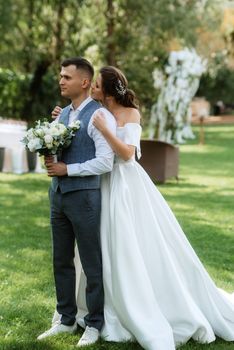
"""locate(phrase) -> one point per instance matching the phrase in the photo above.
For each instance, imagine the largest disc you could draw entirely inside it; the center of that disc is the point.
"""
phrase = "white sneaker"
(57, 328)
(81, 323)
(90, 336)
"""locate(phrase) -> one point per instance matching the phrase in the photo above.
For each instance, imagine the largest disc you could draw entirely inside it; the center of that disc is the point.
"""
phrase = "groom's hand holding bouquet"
(48, 139)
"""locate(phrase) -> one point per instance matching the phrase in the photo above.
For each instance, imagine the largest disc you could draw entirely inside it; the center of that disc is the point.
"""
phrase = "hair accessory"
(120, 88)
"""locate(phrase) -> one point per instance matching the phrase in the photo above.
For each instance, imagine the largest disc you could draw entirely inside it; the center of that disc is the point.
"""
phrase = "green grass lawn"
(203, 202)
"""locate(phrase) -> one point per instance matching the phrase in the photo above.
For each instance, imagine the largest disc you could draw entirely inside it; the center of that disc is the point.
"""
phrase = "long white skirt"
(156, 289)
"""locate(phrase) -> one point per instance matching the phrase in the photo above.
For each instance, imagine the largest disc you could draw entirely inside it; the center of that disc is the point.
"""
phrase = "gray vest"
(82, 148)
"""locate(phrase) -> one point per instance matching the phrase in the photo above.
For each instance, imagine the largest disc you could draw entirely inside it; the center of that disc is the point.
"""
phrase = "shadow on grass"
(25, 261)
(46, 345)
(25, 224)
(206, 216)
(27, 345)
(218, 344)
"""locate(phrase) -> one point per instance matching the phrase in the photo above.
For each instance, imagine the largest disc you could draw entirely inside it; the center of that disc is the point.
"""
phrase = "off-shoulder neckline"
(121, 127)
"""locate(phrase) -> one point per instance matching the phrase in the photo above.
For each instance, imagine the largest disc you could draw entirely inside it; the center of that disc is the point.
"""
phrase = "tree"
(139, 35)
(134, 35)
(38, 41)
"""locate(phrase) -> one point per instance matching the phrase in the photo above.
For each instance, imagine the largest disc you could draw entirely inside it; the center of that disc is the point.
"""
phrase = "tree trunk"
(30, 37)
(110, 22)
(34, 87)
(59, 42)
(44, 63)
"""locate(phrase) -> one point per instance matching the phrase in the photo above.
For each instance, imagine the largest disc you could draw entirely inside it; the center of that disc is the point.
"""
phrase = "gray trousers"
(76, 215)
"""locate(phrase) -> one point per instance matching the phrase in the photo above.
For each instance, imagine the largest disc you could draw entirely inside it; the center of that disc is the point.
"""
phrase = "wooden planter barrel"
(160, 160)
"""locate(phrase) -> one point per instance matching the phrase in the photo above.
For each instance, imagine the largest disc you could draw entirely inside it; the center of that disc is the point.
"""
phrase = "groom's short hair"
(80, 63)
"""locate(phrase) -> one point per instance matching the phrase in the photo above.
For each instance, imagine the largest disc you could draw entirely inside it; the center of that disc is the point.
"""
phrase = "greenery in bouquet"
(49, 138)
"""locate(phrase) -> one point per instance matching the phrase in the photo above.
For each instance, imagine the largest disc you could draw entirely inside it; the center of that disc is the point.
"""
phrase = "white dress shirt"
(104, 155)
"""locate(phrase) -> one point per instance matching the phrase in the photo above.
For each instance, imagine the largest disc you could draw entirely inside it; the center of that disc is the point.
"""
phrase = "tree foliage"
(134, 35)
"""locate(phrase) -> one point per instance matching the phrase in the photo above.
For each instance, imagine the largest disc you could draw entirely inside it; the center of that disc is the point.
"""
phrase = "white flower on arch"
(171, 113)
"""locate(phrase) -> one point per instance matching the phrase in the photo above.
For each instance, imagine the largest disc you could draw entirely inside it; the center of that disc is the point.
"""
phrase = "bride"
(156, 289)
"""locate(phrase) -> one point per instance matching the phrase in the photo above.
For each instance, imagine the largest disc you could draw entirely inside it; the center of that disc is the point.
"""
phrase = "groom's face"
(73, 81)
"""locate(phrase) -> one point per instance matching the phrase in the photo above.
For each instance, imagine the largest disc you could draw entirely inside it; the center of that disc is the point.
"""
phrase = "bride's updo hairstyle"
(115, 84)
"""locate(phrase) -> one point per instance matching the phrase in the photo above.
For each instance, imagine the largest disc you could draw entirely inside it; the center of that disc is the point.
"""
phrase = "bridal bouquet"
(49, 138)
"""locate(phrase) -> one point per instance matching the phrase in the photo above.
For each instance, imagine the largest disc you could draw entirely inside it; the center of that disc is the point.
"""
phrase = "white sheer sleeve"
(132, 136)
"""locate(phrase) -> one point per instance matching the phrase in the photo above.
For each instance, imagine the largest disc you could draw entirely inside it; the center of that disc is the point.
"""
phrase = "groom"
(75, 203)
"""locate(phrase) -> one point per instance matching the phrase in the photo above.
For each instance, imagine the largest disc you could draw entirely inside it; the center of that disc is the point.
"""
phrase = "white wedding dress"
(156, 289)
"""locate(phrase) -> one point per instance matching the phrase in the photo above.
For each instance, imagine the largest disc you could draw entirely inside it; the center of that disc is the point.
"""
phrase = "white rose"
(57, 129)
(39, 132)
(34, 144)
(75, 124)
(48, 139)
(54, 131)
(62, 128)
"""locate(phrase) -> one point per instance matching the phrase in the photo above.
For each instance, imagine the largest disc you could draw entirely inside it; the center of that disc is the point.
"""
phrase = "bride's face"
(96, 89)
